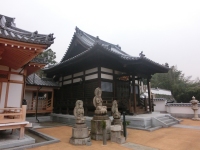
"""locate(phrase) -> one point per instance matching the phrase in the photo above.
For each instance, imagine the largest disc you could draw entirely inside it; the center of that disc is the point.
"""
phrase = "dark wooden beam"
(149, 95)
(134, 94)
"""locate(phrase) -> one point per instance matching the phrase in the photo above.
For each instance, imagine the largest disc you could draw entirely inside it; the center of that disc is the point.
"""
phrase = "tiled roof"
(159, 99)
(180, 104)
(39, 60)
(34, 79)
(8, 30)
(91, 41)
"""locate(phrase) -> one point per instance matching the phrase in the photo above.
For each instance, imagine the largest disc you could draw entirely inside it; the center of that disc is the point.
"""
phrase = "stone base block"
(85, 141)
(116, 136)
(100, 117)
(115, 128)
(99, 137)
(80, 125)
(80, 133)
(97, 131)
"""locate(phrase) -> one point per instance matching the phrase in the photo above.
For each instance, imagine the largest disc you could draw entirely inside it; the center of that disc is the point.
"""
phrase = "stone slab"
(84, 141)
(134, 146)
(80, 133)
(96, 127)
(8, 140)
(99, 137)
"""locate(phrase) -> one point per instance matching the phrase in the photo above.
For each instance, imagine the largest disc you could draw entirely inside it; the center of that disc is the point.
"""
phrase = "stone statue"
(195, 108)
(116, 114)
(79, 110)
(80, 132)
(97, 101)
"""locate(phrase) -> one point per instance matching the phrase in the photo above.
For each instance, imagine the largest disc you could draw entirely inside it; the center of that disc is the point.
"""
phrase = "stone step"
(172, 123)
(163, 118)
(168, 121)
(154, 128)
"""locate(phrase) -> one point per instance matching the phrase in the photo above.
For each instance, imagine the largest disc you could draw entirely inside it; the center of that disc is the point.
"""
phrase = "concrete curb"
(49, 139)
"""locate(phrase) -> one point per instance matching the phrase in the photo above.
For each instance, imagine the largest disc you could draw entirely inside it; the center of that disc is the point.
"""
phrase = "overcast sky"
(166, 31)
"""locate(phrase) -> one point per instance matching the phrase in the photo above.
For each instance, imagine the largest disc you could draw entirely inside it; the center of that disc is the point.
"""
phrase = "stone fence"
(179, 110)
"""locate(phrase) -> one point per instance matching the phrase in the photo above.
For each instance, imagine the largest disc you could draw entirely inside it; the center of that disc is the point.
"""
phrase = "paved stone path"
(133, 146)
(187, 126)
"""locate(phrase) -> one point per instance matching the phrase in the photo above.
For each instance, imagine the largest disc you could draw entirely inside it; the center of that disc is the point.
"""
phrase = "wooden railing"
(42, 104)
(13, 114)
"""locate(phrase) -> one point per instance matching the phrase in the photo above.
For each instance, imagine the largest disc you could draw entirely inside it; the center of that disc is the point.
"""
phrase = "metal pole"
(124, 124)
(37, 104)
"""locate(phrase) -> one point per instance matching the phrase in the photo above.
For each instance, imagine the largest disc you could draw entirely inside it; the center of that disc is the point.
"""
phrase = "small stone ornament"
(195, 108)
(80, 132)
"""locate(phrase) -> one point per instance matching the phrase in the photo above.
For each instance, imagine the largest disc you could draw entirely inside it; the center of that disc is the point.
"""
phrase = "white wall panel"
(91, 70)
(67, 82)
(28, 95)
(67, 77)
(16, 77)
(78, 74)
(14, 95)
(93, 76)
(18, 70)
(3, 95)
(106, 70)
(77, 80)
(106, 76)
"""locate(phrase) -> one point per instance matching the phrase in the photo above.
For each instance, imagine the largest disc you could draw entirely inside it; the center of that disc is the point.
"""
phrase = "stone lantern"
(195, 108)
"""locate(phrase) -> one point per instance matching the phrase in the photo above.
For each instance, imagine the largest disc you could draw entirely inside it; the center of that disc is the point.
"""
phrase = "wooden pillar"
(138, 91)
(114, 88)
(149, 95)
(134, 94)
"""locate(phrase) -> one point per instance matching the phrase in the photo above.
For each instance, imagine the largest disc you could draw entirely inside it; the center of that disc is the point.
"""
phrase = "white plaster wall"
(18, 70)
(14, 95)
(181, 110)
(66, 82)
(106, 76)
(160, 106)
(67, 77)
(91, 70)
(77, 80)
(16, 77)
(160, 91)
(3, 95)
(78, 74)
(93, 76)
(106, 70)
(28, 95)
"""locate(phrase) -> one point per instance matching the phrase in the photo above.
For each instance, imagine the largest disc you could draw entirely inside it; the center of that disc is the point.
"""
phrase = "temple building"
(18, 49)
(90, 62)
(39, 93)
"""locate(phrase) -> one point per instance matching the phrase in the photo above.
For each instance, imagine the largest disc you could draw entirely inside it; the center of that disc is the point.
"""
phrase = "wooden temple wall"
(11, 87)
(45, 99)
(81, 86)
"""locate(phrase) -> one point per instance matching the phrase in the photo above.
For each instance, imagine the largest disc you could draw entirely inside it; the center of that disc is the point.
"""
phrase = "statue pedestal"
(117, 134)
(96, 127)
(196, 115)
(80, 135)
(117, 122)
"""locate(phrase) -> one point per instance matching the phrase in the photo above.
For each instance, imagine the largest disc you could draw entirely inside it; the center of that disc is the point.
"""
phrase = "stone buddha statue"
(79, 111)
(116, 114)
(97, 101)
